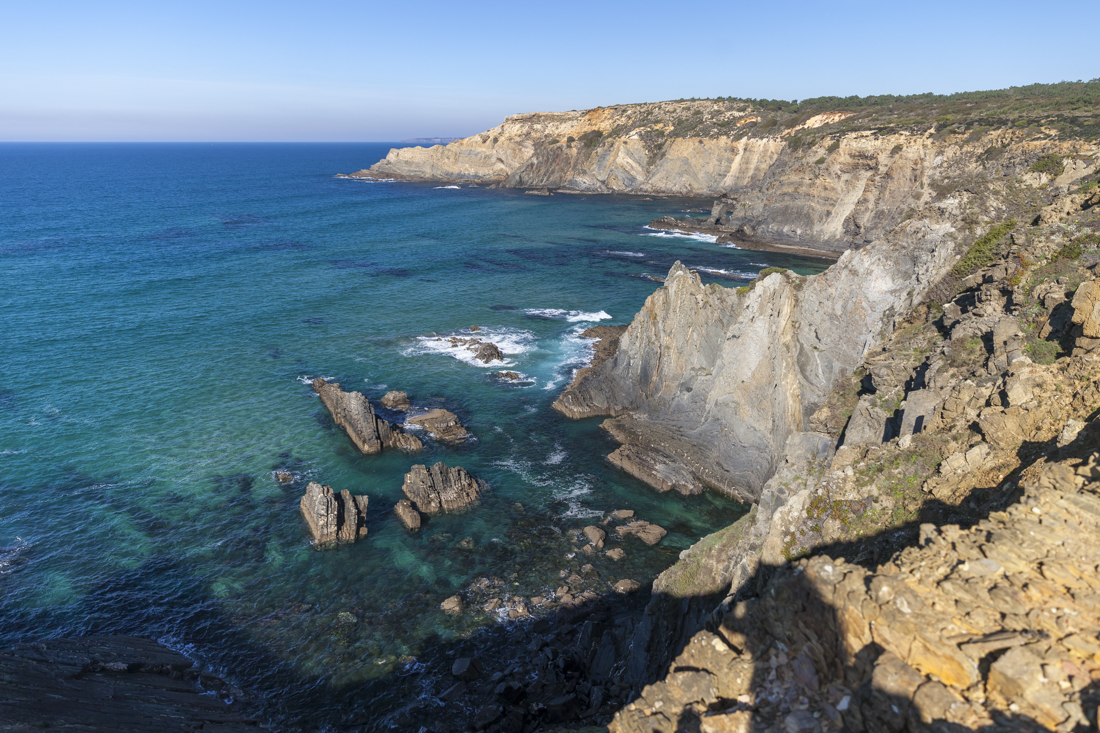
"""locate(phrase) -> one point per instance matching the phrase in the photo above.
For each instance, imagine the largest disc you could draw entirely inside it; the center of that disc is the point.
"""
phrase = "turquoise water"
(164, 308)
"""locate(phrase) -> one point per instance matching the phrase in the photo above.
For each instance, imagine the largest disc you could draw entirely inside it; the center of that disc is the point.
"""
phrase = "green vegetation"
(1050, 164)
(982, 252)
(553, 141)
(769, 271)
(820, 160)
(570, 139)
(833, 146)
(592, 138)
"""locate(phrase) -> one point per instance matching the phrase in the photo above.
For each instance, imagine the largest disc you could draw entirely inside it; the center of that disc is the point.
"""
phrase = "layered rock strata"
(709, 382)
(396, 401)
(352, 411)
(444, 425)
(334, 517)
(995, 625)
(820, 182)
(435, 490)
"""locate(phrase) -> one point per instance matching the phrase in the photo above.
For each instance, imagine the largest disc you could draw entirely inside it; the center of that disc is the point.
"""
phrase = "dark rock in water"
(442, 424)
(648, 533)
(395, 401)
(488, 352)
(538, 192)
(466, 669)
(353, 412)
(334, 518)
(441, 488)
(111, 683)
(509, 376)
(408, 515)
(475, 329)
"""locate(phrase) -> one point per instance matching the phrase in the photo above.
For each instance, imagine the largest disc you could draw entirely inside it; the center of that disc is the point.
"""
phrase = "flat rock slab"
(395, 400)
(443, 424)
(441, 488)
(408, 515)
(648, 533)
(109, 683)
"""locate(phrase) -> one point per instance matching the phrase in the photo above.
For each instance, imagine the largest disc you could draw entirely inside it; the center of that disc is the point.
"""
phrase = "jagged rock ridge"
(352, 411)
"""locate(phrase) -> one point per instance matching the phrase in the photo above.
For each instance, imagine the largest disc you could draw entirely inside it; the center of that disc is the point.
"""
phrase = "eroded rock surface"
(444, 425)
(408, 515)
(352, 411)
(441, 488)
(396, 400)
(334, 517)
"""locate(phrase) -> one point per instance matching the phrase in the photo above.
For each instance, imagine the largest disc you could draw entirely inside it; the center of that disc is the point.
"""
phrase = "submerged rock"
(441, 488)
(334, 517)
(352, 411)
(396, 401)
(484, 351)
(442, 424)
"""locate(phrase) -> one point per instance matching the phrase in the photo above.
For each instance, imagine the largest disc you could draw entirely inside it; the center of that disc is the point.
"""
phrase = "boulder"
(466, 669)
(509, 376)
(622, 514)
(452, 605)
(868, 423)
(442, 424)
(595, 535)
(627, 586)
(648, 533)
(616, 554)
(487, 352)
(408, 515)
(1086, 309)
(334, 517)
(919, 411)
(441, 488)
(396, 401)
(352, 411)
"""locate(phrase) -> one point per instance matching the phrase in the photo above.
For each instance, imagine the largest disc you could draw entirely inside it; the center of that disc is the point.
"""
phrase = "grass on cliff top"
(983, 251)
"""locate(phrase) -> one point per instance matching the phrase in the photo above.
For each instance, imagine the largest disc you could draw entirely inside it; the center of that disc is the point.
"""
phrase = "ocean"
(165, 308)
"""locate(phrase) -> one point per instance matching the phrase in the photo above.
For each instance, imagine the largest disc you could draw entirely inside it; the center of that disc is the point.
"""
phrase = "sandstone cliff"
(831, 179)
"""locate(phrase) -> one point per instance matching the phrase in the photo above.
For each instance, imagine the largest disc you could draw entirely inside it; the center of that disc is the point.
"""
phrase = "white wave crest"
(308, 380)
(625, 253)
(455, 187)
(572, 496)
(512, 342)
(677, 234)
(726, 273)
(729, 245)
(576, 353)
(571, 316)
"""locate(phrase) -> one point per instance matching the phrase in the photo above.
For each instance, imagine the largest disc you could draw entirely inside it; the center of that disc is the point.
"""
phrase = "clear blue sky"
(360, 71)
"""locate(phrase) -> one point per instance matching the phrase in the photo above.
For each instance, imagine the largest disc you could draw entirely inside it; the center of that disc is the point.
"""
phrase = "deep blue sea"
(164, 308)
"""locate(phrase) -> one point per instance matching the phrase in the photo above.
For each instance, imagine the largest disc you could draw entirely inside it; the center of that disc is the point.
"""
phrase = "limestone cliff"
(832, 179)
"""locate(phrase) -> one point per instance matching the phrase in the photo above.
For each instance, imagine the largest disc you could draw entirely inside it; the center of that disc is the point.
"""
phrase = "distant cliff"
(833, 178)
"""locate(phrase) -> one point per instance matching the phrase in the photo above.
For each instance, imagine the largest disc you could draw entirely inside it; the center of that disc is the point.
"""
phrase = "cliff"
(832, 174)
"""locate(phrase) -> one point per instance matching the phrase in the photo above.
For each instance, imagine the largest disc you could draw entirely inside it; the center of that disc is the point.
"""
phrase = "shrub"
(553, 141)
(820, 160)
(1071, 251)
(897, 149)
(982, 252)
(833, 146)
(591, 139)
(1050, 164)
(769, 271)
(570, 139)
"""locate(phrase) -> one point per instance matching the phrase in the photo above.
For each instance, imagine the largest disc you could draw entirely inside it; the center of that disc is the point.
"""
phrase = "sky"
(342, 71)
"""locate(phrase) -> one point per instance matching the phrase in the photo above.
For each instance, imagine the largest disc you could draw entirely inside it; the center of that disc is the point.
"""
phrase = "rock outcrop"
(441, 488)
(995, 623)
(111, 683)
(352, 411)
(829, 181)
(408, 515)
(606, 346)
(395, 401)
(709, 382)
(334, 517)
(444, 425)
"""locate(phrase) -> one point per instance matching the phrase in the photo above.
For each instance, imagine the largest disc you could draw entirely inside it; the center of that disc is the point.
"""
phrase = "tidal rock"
(332, 517)
(452, 605)
(622, 513)
(484, 351)
(441, 488)
(595, 535)
(396, 400)
(616, 553)
(408, 515)
(509, 376)
(442, 424)
(627, 586)
(352, 411)
(648, 533)
(607, 345)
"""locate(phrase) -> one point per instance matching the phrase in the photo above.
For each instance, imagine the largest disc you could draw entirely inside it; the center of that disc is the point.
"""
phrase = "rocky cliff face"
(832, 180)
(709, 382)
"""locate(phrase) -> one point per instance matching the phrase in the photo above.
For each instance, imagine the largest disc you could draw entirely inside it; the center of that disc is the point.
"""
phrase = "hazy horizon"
(200, 72)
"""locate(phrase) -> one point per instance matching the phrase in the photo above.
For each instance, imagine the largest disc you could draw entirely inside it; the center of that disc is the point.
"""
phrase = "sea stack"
(334, 517)
(442, 424)
(441, 488)
(353, 412)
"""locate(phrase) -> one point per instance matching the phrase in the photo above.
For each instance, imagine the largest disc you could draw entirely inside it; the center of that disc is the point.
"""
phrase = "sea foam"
(571, 316)
(677, 234)
(512, 342)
